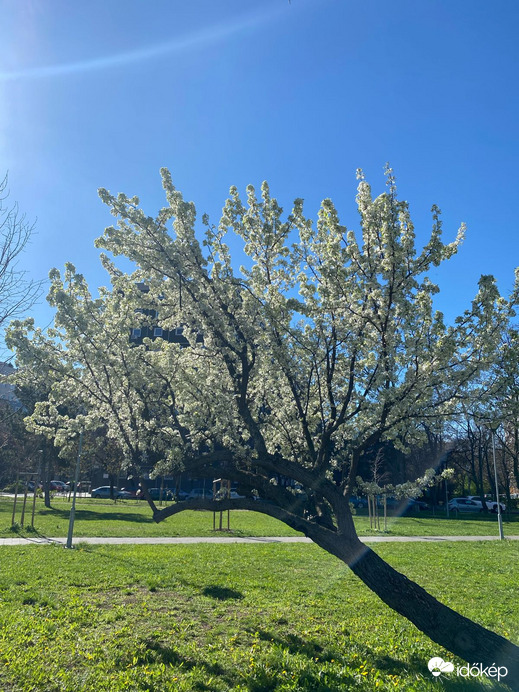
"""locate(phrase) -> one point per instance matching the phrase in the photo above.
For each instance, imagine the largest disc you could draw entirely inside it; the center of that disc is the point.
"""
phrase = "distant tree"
(17, 293)
(312, 354)
(18, 447)
(495, 409)
(471, 457)
(52, 460)
(505, 400)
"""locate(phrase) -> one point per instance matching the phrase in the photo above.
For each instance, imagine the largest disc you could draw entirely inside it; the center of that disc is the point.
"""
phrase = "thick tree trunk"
(461, 636)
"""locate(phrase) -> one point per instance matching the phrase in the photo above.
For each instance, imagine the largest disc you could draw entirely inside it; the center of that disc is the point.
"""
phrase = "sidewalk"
(236, 539)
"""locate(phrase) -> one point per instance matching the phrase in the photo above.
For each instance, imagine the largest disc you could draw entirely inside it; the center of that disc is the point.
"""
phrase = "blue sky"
(105, 92)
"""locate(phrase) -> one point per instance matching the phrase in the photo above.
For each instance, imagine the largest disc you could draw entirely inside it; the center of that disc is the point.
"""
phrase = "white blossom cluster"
(402, 491)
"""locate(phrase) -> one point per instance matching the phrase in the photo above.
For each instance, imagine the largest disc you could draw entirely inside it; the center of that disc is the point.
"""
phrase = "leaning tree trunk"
(446, 627)
(456, 633)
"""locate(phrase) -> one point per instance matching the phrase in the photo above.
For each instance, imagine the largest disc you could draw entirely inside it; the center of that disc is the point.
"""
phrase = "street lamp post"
(76, 481)
(499, 516)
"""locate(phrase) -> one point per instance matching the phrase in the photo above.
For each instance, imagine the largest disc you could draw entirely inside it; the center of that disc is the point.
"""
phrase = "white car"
(104, 491)
(463, 504)
(233, 495)
(491, 504)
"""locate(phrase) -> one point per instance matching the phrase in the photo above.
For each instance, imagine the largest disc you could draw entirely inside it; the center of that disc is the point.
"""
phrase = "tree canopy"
(325, 343)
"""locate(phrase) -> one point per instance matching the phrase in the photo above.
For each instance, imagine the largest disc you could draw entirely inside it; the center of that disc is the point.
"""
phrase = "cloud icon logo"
(437, 666)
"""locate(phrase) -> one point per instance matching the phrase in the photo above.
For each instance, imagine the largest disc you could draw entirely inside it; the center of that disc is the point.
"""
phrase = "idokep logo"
(437, 666)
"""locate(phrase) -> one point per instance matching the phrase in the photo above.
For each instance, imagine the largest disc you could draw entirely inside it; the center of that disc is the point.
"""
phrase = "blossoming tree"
(324, 344)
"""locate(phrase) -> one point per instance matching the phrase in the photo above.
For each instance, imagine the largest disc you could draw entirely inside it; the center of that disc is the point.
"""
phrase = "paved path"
(160, 540)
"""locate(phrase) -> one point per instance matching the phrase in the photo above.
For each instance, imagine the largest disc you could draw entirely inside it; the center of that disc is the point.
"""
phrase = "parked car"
(359, 502)
(391, 502)
(491, 504)
(131, 493)
(181, 495)
(406, 505)
(233, 495)
(200, 494)
(59, 486)
(125, 495)
(156, 494)
(477, 498)
(417, 505)
(463, 504)
(104, 492)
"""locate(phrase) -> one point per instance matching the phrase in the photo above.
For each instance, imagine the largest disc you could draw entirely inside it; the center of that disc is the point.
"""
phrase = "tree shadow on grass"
(388, 665)
(222, 593)
(297, 645)
(393, 666)
(156, 652)
(91, 515)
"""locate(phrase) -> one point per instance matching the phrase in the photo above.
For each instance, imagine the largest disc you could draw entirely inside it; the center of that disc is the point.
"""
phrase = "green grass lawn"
(259, 618)
(133, 518)
(427, 524)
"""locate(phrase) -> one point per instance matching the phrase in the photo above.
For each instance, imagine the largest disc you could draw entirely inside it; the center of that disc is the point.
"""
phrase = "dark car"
(359, 502)
(416, 505)
(405, 505)
(156, 494)
(125, 495)
(59, 486)
(200, 494)
(391, 503)
(131, 492)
